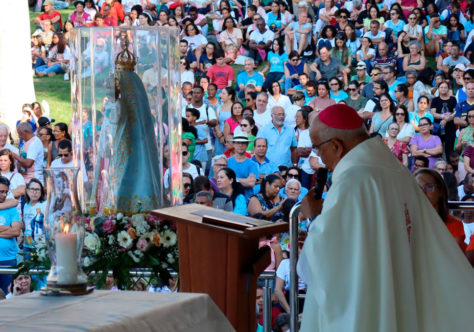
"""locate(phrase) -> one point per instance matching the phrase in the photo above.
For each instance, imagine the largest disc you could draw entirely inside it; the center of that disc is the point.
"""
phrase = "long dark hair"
(269, 179)
(237, 187)
(305, 114)
(61, 45)
(281, 48)
(405, 111)
(443, 210)
(63, 127)
(251, 122)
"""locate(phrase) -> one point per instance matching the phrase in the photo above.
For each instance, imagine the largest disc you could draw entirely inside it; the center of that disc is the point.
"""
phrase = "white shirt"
(192, 170)
(262, 119)
(265, 37)
(34, 151)
(290, 113)
(283, 101)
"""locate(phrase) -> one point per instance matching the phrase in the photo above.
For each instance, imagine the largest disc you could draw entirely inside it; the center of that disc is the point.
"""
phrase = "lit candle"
(66, 257)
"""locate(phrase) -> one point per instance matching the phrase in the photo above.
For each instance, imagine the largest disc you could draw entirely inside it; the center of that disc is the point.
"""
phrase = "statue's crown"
(125, 60)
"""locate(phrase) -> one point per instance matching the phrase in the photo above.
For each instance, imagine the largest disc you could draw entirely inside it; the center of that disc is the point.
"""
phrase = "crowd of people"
(406, 66)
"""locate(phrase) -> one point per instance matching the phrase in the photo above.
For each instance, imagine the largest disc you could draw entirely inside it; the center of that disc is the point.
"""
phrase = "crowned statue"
(128, 173)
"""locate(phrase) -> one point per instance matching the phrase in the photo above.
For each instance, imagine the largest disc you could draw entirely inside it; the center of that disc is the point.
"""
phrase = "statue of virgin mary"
(134, 172)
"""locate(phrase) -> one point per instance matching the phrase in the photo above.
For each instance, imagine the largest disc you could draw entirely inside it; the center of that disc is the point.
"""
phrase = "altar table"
(113, 311)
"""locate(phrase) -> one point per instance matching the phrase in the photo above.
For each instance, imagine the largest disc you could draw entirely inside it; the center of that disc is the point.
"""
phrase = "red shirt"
(46, 16)
(116, 10)
(111, 21)
(221, 75)
(456, 229)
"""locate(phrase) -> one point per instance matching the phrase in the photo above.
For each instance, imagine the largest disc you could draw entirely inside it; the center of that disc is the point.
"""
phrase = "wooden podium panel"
(219, 255)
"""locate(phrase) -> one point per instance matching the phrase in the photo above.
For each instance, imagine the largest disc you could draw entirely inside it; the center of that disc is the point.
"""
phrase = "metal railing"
(460, 206)
(294, 215)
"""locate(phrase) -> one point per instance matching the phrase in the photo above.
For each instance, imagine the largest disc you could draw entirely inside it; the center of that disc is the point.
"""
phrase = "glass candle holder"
(64, 231)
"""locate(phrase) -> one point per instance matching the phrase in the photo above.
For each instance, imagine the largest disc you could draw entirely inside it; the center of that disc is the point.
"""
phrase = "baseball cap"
(44, 121)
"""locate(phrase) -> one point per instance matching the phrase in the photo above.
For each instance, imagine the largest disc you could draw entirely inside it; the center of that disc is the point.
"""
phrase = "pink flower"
(142, 244)
(109, 226)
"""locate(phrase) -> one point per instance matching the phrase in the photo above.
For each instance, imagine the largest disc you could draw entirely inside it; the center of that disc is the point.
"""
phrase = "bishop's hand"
(310, 206)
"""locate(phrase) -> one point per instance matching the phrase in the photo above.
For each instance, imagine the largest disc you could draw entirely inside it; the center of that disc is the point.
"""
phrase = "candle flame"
(66, 229)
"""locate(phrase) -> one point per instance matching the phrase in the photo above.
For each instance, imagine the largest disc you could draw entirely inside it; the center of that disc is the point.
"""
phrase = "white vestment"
(379, 258)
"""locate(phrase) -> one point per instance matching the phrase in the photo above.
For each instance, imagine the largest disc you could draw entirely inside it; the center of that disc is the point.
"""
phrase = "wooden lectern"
(219, 255)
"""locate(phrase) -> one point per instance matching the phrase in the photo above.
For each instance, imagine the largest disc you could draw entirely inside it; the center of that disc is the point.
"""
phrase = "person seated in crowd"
(80, 18)
(230, 39)
(298, 34)
(322, 100)
(186, 52)
(218, 200)
(406, 129)
(260, 41)
(361, 73)
(366, 52)
(390, 77)
(249, 76)
(198, 20)
(196, 40)
(425, 144)
(204, 198)
(434, 187)
(267, 203)
(293, 69)
(58, 57)
(355, 100)
(50, 15)
(228, 185)
(384, 58)
(434, 33)
(113, 9)
(375, 34)
(398, 148)
(454, 58)
(265, 166)
(326, 66)
(221, 73)
(30, 158)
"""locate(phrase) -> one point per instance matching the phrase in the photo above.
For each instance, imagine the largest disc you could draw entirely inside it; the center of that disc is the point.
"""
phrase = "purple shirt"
(433, 142)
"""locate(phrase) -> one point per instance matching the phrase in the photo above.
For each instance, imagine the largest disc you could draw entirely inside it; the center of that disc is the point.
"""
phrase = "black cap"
(44, 121)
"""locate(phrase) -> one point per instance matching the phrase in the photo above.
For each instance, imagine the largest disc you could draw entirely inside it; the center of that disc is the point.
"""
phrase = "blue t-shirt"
(396, 28)
(462, 108)
(414, 116)
(8, 247)
(341, 96)
(272, 19)
(277, 62)
(242, 170)
(244, 78)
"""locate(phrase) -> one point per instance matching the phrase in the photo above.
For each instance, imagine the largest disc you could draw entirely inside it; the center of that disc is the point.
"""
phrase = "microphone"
(321, 179)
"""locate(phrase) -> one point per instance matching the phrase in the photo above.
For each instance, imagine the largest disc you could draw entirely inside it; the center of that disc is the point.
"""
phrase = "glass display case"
(126, 126)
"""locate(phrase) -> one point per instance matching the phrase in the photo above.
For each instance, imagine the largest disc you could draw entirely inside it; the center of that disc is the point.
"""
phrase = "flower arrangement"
(120, 243)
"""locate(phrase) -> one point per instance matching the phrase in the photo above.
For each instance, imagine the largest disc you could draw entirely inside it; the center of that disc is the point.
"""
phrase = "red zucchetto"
(340, 116)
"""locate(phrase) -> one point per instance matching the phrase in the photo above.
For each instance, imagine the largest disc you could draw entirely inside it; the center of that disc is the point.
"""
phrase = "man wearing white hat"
(245, 169)
(377, 256)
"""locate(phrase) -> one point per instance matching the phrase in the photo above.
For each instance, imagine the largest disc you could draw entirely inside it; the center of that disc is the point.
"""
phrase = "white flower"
(124, 240)
(88, 261)
(92, 242)
(168, 238)
(111, 239)
(170, 258)
(164, 265)
(119, 216)
(138, 219)
(142, 229)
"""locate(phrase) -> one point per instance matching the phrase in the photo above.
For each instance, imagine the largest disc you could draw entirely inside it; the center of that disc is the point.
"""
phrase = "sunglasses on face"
(244, 125)
(291, 175)
(63, 155)
(187, 185)
(184, 153)
(352, 89)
